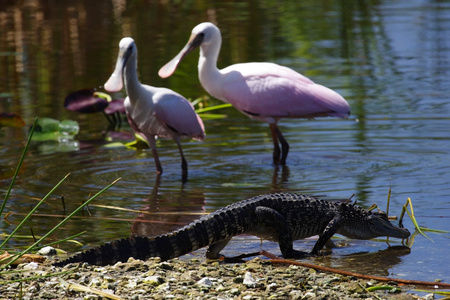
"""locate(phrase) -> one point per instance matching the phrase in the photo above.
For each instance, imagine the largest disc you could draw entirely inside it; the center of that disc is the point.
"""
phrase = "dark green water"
(391, 62)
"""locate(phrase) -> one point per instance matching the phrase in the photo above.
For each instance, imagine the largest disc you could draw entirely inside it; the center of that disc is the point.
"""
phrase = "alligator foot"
(295, 254)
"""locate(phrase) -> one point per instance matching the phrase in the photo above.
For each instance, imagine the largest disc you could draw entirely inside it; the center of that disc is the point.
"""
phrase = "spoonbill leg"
(152, 143)
(184, 167)
(277, 136)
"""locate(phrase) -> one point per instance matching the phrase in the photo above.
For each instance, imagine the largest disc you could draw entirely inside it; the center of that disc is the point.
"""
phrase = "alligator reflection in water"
(371, 263)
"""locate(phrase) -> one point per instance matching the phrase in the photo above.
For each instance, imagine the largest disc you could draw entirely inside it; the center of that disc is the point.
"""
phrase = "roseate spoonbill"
(262, 91)
(153, 111)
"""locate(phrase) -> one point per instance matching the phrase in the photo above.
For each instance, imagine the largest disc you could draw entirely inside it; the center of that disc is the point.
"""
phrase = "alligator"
(280, 217)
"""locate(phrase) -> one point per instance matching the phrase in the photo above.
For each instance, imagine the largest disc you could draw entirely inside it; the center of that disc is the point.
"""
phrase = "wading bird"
(262, 91)
(153, 111)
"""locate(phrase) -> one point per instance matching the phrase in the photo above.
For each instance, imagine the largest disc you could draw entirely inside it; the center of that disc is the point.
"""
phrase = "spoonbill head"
(263, 91)
(153, 111)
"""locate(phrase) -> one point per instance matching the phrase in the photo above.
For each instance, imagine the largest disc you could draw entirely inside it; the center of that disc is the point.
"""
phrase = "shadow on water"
(372, 263)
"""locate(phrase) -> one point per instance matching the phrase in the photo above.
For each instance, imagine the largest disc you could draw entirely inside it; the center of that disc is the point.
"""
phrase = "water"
(390, 60)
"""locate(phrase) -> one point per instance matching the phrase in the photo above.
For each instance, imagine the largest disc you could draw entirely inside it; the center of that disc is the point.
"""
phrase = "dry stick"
(275, 260)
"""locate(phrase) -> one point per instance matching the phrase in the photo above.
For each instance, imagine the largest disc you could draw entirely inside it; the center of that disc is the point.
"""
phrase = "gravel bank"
(191, 279)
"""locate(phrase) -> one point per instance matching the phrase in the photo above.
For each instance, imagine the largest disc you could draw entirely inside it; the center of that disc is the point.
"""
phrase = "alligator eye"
(380, 214)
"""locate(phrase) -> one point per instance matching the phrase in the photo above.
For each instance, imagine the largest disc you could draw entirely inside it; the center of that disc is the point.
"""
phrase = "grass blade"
(412, 217)
(33, 210)
(81, 288)
(210, 108)
(67, 239)
(19, 165)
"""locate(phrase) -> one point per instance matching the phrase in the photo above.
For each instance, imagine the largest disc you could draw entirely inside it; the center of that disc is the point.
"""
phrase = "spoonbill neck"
(131, 80)
(209, 75)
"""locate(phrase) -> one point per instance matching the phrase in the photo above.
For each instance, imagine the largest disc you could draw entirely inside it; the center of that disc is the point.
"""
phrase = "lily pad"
(48, 129)
(86, 101)
(115, 105)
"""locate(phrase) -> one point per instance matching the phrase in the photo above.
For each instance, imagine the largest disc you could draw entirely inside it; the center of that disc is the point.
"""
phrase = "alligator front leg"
(213, 251)
(326, 235)
(275, 222)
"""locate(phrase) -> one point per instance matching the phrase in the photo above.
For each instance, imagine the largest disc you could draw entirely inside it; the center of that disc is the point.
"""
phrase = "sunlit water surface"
(391, 61)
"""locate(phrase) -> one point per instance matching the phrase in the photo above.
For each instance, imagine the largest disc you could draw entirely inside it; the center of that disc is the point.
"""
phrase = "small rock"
(249, 281)
(47, 295)
(132, 283)
(235, 291)
(34, 288)
(238, 279)
(221, 288)
(165, 266)
(205, 282)
(309, 295)
(100, 269)
(153, 280)
(295, 295)
(48, 251)
(31, 266)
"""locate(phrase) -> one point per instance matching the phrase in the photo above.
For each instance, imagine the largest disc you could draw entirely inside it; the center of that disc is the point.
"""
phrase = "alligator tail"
(112, 252)
(213, 228)
(166, 246)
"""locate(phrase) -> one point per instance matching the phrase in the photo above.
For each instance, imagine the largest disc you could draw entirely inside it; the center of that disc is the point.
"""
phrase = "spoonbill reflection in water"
(153, 111)
(263, 91)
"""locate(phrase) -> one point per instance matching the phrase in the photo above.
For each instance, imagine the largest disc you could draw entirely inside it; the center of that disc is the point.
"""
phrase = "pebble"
(191, 279)
(249, 281)
(31, 266)
(205, 282)
(47, 250)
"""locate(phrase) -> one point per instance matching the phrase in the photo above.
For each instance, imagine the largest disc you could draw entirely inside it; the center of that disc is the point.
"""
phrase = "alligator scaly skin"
(281, 217)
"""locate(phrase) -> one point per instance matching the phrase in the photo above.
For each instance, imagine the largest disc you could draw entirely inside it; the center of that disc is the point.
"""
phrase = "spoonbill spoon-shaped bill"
(263, 91)
(153, 111)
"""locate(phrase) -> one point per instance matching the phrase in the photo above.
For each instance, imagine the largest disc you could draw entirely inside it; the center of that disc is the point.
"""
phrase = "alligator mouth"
(381, 225)
(397, 232)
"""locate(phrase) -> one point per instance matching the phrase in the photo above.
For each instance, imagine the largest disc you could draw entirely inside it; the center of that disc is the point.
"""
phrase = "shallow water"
(391, 62)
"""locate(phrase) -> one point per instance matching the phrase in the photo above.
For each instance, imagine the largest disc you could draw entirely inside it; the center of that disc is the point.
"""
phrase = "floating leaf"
(86, 101)
(139, 143)
(48, 129)
(102, 95)
(11, 120)
(115, 145)
(115, 106)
